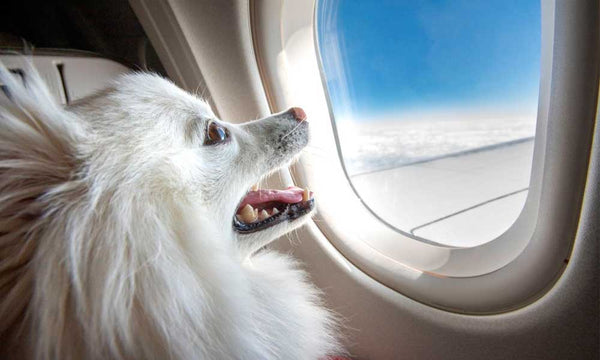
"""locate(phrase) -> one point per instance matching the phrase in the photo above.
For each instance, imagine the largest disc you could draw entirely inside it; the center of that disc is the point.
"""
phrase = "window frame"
(503, 274)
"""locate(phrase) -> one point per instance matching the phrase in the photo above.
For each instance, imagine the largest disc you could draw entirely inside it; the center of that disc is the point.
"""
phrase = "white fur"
(116, 235)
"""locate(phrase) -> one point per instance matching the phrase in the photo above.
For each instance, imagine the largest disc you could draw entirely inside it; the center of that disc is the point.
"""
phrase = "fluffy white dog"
(127, 230)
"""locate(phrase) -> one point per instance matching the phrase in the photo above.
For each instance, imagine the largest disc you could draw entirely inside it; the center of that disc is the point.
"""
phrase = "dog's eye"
(215, 134)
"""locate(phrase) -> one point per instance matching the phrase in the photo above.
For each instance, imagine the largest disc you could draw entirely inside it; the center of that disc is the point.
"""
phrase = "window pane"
(435, 106)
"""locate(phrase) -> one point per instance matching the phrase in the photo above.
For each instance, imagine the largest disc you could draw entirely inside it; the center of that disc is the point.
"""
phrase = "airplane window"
(435, 106)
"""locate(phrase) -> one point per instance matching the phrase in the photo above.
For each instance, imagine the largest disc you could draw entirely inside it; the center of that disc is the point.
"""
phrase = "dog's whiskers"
(294, 129)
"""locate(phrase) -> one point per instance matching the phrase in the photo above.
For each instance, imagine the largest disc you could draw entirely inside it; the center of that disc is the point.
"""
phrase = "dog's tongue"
(290, 195)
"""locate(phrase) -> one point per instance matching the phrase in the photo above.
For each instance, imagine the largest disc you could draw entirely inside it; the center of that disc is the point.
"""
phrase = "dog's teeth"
(254, 187)
(306, 195)
(263, 215)
(274, 211)
(248, 214)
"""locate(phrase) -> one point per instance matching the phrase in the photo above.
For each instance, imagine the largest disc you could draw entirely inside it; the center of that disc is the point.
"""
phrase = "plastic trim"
(503, 274)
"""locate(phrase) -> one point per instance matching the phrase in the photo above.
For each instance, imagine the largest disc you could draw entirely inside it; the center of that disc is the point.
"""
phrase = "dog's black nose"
(298, 114)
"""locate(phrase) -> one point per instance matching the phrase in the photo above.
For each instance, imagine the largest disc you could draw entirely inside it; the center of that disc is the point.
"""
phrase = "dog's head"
(153, 138)
(121, 218)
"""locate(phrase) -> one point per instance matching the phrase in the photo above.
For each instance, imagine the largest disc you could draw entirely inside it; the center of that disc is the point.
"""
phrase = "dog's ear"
(38, 139)
(36, 133)
(38, 160)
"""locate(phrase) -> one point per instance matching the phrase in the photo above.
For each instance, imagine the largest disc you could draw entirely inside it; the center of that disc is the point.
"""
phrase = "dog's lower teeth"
(263, 215)
(306, 195)
(274, 211)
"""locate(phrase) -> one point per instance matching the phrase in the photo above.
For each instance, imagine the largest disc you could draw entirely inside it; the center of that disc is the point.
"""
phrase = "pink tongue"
(289, 196)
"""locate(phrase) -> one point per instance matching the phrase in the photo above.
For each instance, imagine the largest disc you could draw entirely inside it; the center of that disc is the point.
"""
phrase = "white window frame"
(506, 273)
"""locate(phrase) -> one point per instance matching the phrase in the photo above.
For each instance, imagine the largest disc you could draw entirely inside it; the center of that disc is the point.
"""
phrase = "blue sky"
(419, 54)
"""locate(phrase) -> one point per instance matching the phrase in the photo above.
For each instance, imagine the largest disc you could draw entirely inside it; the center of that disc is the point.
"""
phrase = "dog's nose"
(298, 114)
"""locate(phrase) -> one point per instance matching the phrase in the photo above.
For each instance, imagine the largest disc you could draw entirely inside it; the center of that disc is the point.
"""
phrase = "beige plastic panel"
(83, 76)
(208, 45)
(68, 77)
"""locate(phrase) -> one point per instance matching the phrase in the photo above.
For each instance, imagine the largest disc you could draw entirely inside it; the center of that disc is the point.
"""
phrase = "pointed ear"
(31, 104)
(39, 139)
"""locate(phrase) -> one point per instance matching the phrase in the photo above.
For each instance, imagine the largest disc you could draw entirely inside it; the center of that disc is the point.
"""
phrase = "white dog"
(127, 230)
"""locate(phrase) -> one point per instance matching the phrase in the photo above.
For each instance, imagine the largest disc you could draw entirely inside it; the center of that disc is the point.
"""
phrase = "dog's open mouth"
(261, 209)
